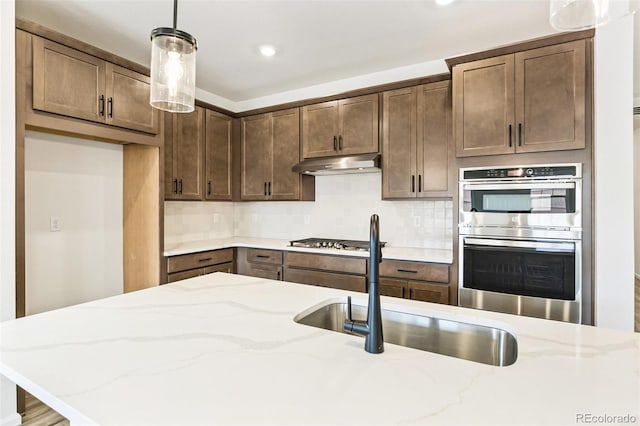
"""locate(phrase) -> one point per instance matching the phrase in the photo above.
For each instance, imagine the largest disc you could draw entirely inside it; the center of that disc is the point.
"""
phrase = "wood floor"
(38, 414)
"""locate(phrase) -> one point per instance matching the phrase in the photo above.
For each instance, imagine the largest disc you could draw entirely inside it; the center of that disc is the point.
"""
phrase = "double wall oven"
(521, 240)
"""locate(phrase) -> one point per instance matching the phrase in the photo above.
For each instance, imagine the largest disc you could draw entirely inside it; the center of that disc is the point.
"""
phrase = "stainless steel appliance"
(327, 243)
(521, 240)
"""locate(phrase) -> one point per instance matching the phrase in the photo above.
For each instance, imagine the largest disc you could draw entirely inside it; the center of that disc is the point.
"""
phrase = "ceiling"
(318, 42)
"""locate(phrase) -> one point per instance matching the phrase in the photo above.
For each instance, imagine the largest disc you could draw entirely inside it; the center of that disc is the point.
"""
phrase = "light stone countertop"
(223, 349)
(388, 252)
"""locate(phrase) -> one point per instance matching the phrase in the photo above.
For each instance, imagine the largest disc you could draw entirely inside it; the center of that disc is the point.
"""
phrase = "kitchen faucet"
(372, 327)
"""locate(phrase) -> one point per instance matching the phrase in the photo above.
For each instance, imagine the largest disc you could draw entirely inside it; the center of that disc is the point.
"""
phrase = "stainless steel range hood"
(361, 163)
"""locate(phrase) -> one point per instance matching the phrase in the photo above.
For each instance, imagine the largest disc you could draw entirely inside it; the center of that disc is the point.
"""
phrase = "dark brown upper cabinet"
(529, 101)
(72, 83)
(218, 157)
(270, 148)
(346, 126)
(184, 155)
(416, 141)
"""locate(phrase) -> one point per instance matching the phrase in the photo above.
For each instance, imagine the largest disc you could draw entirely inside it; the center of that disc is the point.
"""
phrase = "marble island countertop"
(224, 349)
(388, 252)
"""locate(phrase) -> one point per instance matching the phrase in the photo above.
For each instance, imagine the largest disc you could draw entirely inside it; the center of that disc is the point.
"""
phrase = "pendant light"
(173, 68)
(575, 15)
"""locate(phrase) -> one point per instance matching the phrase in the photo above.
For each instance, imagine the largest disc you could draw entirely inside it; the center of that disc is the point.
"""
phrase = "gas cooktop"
(355, 245)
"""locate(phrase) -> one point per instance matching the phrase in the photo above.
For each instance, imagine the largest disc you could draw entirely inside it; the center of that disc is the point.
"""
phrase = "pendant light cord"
(175, 14)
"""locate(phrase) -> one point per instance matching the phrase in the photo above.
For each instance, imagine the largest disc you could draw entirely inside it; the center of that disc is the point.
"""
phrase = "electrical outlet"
(54, 224)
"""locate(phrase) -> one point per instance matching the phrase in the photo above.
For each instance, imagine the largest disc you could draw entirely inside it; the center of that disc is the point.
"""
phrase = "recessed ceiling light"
(267, 50)
(444, 2)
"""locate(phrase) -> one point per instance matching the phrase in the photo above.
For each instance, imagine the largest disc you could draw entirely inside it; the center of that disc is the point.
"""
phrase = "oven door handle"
(509, 186)
(568, 247)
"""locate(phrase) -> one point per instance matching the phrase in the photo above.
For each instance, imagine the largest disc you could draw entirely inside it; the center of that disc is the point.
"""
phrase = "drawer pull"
(262, 256)
(409, 271)
(206, 259)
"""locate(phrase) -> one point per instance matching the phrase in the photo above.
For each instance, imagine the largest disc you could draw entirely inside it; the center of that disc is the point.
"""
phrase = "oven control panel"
(551, 171)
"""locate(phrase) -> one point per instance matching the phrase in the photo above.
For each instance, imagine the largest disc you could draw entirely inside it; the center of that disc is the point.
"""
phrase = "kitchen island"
(224, 349)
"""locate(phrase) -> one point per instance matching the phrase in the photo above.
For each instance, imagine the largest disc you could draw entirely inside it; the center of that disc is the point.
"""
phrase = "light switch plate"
(54, 224)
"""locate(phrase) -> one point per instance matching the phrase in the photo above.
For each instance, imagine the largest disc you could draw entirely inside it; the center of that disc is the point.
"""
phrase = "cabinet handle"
(510, 138)
(265, 188)
(262, 256)
(413, 183)
(206, 259)
(409, 271)
(209, 188)
(101, 106)
(175, 186)
(340, 143)
(278, 275)
(519, 134)
(419, 183)
(335, 143)
(269, 189)
(110, 108)
(180, 186)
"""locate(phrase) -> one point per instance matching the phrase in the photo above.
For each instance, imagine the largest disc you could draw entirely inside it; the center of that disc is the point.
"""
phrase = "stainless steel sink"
(488, 345)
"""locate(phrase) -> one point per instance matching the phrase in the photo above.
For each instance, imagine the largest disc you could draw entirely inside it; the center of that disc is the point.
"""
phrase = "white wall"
(342, 209)
(79, 182)
(8, 415)
(613, 159)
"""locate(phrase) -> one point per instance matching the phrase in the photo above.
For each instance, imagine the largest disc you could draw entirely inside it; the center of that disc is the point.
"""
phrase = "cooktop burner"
(333, 243)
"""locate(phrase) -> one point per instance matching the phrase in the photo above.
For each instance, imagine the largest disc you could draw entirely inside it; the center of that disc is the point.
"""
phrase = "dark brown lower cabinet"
(343, 272)
(195, 264)
(427, 282)
(259, 263)
(327, 279)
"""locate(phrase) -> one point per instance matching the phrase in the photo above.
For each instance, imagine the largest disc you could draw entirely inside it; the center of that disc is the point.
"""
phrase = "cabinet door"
(260, 270)
(483, 107)
(170, 159)
(327, 279)
(217, 156)
(393, 288)
(320, 130)
(550, 97)
(223, 267)
(358, 124)
(434, 130)
(256, 156)
(285, 184)
(399, 143)
(128, 105)
(426, 292)
(68, 82)
(183, 275)
(188, 137)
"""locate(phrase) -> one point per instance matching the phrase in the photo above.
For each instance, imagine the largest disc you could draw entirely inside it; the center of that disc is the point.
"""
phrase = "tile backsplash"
(343, 206)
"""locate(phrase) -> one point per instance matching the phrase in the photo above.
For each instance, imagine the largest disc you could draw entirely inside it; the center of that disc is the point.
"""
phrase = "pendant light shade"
(574, 15)
(173, 68)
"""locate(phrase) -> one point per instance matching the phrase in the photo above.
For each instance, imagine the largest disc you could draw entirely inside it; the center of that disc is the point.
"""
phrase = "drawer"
(261, 270)
(177, 276)
(326, 279)
(415, 271)
(264, 256)
(426, 292)
(198, 260)
(223, 267)
(351, 265)
(393, 288)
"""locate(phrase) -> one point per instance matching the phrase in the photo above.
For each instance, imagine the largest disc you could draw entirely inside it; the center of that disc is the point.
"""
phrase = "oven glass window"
(520, 201)
(526, 272)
